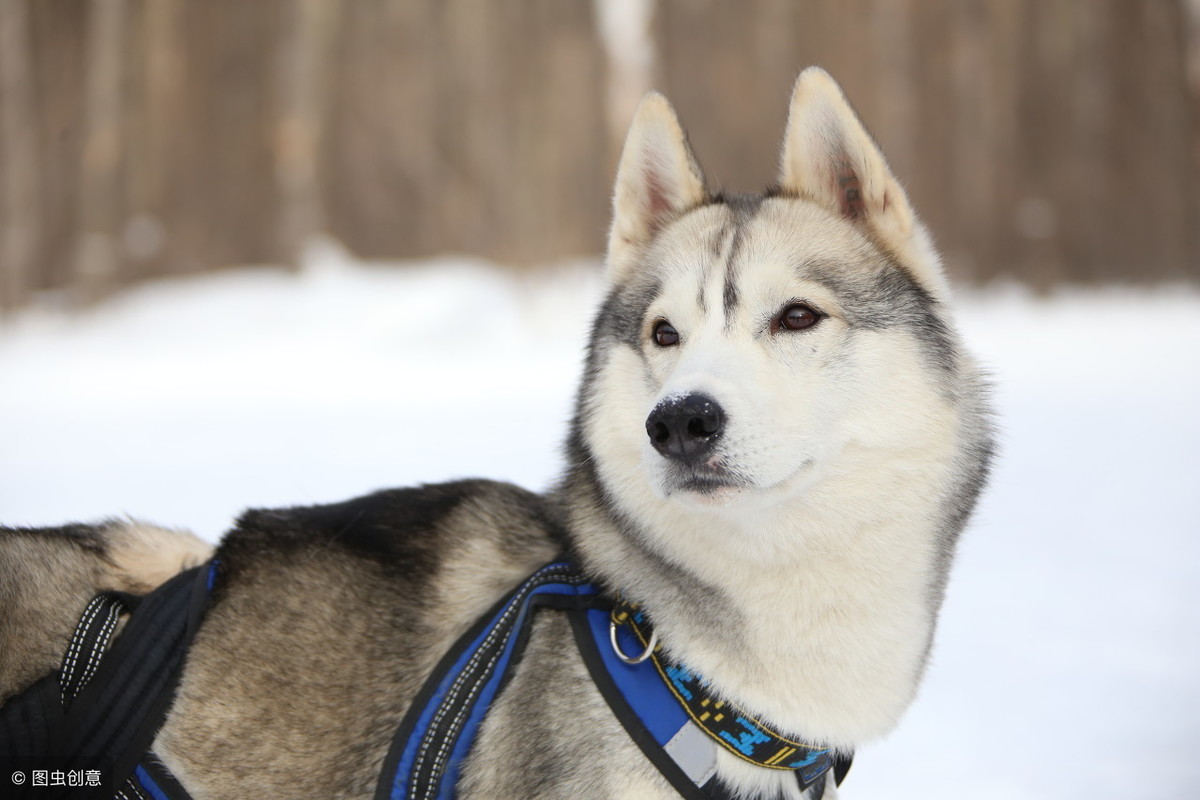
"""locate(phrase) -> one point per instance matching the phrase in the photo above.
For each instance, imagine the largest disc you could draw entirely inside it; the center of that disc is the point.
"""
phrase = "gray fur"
(883, 296)
(742, 209)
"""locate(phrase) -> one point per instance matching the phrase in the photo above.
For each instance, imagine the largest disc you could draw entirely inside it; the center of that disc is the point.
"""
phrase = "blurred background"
(282, 252)
(1043, 140)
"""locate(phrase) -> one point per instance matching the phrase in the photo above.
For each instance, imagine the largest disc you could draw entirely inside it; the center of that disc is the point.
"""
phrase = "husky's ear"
(658, 178)
(829, 157)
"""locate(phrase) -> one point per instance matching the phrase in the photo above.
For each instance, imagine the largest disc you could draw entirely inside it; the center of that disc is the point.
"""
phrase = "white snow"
(1068, 658)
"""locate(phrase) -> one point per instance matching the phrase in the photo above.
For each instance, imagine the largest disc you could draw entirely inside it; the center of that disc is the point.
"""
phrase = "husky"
(776, 444)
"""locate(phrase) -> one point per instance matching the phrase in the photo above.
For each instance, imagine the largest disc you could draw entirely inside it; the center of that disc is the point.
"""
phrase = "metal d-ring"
(612, 637)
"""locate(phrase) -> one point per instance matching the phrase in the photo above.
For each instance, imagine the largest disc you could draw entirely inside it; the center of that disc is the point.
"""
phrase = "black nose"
(685, 428)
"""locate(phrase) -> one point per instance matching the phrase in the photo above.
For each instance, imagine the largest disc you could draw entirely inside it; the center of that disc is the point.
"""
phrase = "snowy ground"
(1068, 660)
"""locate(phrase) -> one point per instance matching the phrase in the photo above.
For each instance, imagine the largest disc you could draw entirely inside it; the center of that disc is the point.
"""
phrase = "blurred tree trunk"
(380, 158)
(156, 101)
(309, 27)
(1170, 133)
(19, 178)
(225, 206)
(59, 44)
(97, 254)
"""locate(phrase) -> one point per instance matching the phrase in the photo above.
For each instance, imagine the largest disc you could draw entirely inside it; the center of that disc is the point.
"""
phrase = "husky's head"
(778, 437)
(752, 347)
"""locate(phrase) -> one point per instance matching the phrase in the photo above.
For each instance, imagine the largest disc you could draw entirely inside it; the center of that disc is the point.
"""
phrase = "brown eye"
(664, 334)
(796, 317)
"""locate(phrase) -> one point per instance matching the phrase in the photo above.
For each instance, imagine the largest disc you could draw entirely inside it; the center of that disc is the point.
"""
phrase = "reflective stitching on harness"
(97, 653)
(85, 621)
(465, 711)
(131, 790)
(439, 759)
(69, 687)
(136, 788)
(500, 631)
(451, 695)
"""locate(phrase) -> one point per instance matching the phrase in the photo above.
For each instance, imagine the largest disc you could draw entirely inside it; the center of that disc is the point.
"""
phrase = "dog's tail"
(141, 557)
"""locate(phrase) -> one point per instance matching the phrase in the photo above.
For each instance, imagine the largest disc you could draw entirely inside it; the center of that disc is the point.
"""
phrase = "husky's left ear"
(658, 179)
(829, 157)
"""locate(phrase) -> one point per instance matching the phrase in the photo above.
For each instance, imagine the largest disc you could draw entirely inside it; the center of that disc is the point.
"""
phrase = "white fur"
(833, 537)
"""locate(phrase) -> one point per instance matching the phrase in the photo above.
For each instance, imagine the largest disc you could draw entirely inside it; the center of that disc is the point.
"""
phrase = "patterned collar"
(679, 710)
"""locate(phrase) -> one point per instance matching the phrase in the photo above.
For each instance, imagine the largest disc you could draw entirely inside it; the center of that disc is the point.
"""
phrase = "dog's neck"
(815, 615)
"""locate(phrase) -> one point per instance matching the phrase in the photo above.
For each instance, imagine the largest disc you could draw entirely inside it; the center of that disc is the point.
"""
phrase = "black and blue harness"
(108, 710)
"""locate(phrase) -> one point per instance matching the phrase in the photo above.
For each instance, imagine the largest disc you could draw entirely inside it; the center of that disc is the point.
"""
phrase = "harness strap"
(107, 709)
(89, 642)
(437, 732)
(652, 718)
(117, 715)
(667, 710)
(28, 719)
(105, 706)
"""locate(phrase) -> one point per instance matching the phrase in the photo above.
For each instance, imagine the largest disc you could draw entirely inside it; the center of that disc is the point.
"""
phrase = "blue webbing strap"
(440, 726)
(644, 706)
(154, 780)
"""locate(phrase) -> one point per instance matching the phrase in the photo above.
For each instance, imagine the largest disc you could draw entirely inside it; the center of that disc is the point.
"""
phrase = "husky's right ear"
(829, 157)
(658, 179)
